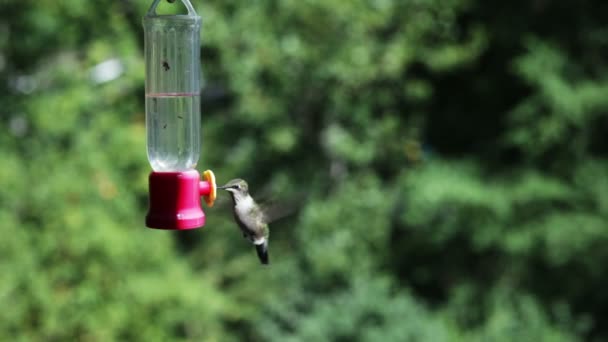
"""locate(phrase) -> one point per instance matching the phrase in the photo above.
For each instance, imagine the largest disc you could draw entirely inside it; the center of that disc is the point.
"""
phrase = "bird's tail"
(262, 250)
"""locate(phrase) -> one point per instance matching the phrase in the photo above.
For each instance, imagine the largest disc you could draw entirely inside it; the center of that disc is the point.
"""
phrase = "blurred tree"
(453, 154)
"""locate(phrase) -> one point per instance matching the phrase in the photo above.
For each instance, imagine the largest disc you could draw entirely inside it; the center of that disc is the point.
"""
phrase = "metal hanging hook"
(191, 11)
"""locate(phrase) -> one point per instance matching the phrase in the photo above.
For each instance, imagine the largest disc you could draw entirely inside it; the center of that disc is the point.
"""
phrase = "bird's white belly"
(244, 206)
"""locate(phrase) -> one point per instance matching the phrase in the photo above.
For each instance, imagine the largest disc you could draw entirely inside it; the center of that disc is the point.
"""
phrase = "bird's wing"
(277, 210)
(278, 205)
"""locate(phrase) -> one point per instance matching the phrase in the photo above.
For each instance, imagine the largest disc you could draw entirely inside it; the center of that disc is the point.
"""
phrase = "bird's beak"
(223, 187)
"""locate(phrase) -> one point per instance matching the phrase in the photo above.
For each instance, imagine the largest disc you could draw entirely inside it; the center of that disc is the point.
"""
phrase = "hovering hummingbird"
(250, 217)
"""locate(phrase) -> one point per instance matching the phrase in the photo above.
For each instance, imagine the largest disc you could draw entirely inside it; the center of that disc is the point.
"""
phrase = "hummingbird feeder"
(172, 52)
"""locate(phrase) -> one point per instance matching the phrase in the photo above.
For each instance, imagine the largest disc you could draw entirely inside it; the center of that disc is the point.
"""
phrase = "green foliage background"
(453, 153)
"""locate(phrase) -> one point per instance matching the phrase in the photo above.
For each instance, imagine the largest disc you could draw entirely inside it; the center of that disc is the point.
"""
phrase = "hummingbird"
(250, 217)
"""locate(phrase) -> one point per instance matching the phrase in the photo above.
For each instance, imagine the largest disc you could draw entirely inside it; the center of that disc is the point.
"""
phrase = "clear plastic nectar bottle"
(172, 52)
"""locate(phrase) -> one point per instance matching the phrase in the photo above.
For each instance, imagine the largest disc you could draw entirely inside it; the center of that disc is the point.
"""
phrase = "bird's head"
(237, 187)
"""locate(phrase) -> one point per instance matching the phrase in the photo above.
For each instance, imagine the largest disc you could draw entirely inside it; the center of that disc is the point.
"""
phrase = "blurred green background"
(454, 155)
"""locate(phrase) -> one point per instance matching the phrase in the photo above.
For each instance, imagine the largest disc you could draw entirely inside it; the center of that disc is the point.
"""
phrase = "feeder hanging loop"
(191, 11)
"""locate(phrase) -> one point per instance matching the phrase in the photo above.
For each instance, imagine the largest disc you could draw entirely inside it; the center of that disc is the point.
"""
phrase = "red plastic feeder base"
(175, 202)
